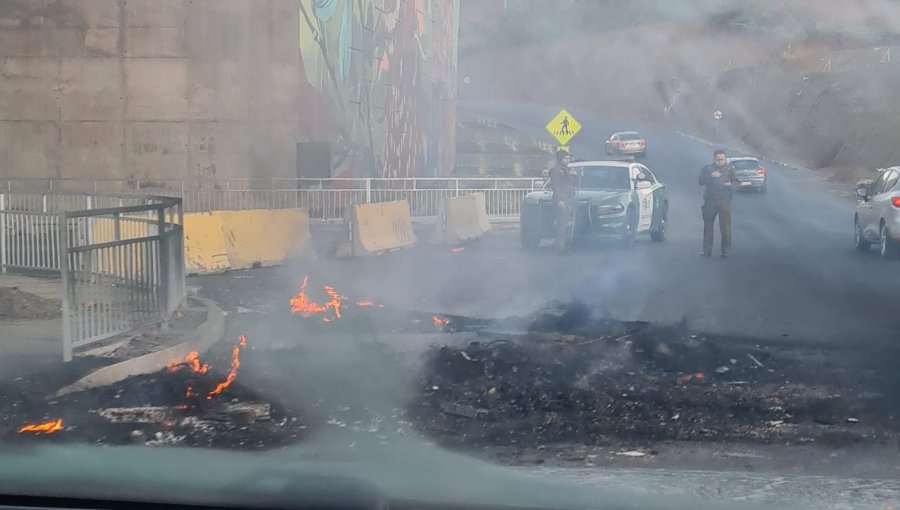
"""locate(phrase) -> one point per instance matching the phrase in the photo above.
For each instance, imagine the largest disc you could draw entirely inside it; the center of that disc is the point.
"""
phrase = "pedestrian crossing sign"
(563, 127)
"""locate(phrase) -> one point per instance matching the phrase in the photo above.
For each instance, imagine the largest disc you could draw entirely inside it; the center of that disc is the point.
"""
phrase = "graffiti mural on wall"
(380, 82)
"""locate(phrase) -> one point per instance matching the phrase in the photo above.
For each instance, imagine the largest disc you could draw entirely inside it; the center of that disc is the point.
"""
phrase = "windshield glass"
(745, 164)
(604, 177)
(243, 241)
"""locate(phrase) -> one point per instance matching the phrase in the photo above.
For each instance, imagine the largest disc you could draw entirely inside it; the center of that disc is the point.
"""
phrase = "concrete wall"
(148, 88)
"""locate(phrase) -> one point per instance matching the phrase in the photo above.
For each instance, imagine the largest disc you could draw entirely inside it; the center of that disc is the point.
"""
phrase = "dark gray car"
(750, 173)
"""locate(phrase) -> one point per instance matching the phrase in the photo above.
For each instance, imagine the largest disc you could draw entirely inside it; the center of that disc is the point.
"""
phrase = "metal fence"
(326, 199)
(120, 258)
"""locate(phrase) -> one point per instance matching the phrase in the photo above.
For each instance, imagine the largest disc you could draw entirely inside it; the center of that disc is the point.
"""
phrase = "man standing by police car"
(563, 183)
(720, 181)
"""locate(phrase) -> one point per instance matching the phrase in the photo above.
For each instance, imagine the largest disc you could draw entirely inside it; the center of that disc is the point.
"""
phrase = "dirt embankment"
(18, 304)
(825, 102)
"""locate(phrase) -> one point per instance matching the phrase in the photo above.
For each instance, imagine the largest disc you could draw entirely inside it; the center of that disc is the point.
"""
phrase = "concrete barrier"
(223, 240)
(372, 229)
(461, 219)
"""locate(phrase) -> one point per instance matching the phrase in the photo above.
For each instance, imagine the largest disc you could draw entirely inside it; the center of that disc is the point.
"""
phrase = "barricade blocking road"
(373, 229)
(461, 219)
(225, 240)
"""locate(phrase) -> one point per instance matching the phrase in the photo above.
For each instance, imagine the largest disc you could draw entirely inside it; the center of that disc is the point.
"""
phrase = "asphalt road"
(794, 273)
(794, 278)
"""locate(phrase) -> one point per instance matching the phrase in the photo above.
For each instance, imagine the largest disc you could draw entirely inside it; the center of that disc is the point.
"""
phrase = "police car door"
(644, 197)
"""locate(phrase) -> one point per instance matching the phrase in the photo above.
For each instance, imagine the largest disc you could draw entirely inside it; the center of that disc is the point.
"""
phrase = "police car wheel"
(629, 235)
(659, 235)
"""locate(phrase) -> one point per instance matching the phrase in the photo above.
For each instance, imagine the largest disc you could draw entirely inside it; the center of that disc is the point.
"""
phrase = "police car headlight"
(609, 209)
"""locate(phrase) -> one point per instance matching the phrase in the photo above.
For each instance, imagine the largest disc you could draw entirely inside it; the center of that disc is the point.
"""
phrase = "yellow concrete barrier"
(223, 240)
(204, 243)
(461, 219)
(376, 228)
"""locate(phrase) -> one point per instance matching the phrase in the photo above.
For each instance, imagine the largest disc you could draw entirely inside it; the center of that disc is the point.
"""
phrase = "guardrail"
(121, 264)
(326, 199)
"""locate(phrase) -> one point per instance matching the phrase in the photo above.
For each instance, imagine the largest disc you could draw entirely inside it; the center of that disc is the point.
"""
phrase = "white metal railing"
(120, 257)
(326, 199)
(126, 272)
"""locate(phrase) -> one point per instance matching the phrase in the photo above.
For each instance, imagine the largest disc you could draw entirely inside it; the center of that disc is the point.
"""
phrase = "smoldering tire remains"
(633, 384)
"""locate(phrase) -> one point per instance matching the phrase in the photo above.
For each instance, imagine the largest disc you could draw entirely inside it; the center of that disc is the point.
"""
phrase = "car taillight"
(642, 142)
(762, 170)
(895, 201)
(620, 144)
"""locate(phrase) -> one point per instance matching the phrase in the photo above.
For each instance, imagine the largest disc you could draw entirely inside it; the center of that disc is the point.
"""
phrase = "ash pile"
(573, 379)
(194, 402)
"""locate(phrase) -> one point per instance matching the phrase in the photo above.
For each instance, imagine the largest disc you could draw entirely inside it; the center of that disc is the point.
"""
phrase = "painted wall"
(378, 79)
(188, 89)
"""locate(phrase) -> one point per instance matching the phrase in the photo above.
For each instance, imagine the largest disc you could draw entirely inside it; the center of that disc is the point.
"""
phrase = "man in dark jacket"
(563, 183)
(720, 181)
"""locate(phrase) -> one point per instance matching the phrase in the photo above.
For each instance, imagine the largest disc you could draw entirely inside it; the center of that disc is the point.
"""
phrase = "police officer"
(563, 182)
(720, 181)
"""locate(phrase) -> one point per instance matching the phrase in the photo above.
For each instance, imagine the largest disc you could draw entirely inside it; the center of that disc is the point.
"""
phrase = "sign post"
(718, 115)
(563, 127)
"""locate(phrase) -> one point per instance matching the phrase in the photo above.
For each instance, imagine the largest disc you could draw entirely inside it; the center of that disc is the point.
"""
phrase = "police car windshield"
(745, 164)
(604, 177)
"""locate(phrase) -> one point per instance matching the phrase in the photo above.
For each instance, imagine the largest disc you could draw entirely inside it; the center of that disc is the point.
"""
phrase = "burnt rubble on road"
(574, 380)
(195, 402)
(566, 377)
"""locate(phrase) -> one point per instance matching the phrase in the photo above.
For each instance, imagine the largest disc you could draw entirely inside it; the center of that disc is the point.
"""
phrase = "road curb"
(704, 141)
(199, 340)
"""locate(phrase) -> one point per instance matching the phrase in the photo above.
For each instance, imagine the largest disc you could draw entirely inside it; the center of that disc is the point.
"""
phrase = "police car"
(615, 199)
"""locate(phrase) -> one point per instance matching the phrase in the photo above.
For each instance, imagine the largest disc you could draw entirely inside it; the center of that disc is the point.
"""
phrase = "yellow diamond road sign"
(563, 127)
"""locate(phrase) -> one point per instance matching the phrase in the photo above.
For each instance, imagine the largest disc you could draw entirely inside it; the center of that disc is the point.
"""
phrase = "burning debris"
(232, 373)
(614, 386)
(186, 404)
(192, 360)
(47, 427)
(330, 310)
(439, 321)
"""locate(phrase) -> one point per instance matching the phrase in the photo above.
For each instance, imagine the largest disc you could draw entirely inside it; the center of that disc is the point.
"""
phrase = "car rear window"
(629, 136)
(745, 164)
(605, 177)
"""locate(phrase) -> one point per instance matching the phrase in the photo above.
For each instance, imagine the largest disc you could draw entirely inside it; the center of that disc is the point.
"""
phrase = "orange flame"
(335, 302)
(301, 305)
(457, 250)
(192, 360)
(48, 427)
(235, 364)
(438, 321)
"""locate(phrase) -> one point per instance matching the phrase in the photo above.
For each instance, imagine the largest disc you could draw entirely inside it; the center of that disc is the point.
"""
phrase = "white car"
(626, 143)
(877, 218)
